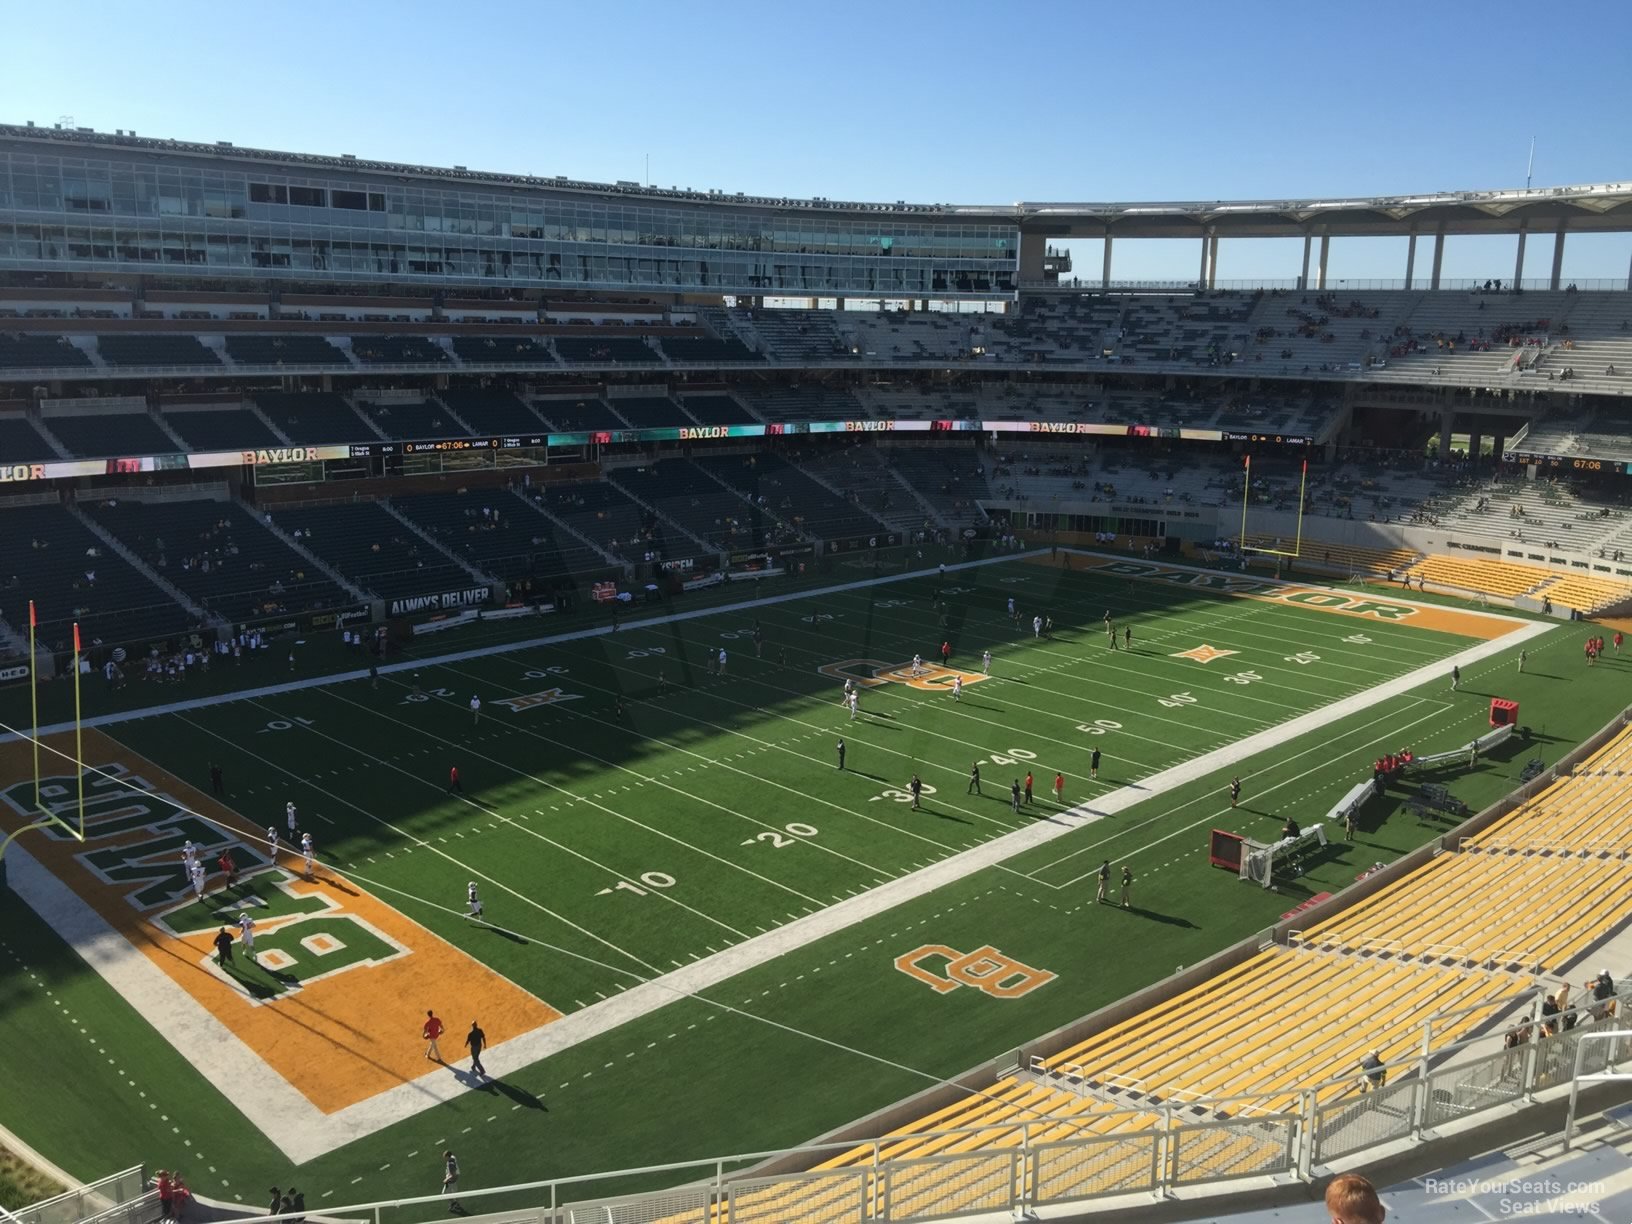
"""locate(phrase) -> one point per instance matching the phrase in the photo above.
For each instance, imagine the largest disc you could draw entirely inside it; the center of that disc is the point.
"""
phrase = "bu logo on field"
(986, 969)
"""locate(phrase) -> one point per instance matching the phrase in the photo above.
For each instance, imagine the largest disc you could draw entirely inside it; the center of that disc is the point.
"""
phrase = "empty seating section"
(1590, 810)
(1586, 595)
(21, 442)
(219, 555)
(1491, 576)
(168, 350)
(680, 491)
(706, 350)
(604, 350)
(579, 415)
(223, 429)
(807, 404)
(511, 350)
(511, 541)
(367, 544)
(649, 411)
(794, 335)
(1499, 908)
(110, 434)
(919, 337)
(422, 419)
(604, 513)
(290, 349)
(71, 574)
(953, 481)
(314, 417)
(492, 413)
(25, 352)
(398, 350)
(717, 410)
(859, 472)
(1360, 560)
(793, 496)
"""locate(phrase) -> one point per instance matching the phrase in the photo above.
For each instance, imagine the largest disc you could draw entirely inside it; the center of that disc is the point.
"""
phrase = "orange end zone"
(339, 1035)
(1380, 610)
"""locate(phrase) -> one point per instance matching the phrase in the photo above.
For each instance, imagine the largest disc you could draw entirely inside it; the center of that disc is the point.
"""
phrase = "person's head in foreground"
(1352, 1199)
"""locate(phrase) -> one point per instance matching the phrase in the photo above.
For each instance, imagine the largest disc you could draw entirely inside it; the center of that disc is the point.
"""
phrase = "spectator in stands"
(1603, 995)
(1373, 1075)
(1352, 1199)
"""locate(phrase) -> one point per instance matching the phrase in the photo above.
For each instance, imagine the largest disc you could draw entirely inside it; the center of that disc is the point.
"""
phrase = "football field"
(687, 906)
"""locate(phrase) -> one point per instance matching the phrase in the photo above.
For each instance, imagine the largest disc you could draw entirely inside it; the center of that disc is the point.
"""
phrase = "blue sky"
(949, 101)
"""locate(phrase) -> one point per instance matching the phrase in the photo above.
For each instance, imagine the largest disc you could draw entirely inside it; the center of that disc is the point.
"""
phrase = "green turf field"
(632, 813)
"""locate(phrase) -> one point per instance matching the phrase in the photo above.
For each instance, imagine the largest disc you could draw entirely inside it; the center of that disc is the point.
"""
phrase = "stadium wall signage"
(335, 619)
(17, 672)
(445, 600)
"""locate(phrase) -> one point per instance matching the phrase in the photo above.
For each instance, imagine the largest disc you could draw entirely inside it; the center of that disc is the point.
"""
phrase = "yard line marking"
(568, 850)
(408, 837)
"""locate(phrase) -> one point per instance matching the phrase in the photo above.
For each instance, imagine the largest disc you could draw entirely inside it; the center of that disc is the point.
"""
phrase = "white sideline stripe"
(303, 1132)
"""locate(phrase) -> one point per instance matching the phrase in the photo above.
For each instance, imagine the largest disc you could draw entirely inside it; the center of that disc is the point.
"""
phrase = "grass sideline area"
(574, 816)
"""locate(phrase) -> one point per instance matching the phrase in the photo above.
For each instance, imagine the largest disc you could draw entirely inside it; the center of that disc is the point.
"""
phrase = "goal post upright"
(34, 697)
(1246, 496)
(43, 817)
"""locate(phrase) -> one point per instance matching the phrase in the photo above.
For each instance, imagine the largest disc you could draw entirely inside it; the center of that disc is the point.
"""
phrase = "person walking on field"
(974, 779)
(1028, 786)
(475, 1040)
(1235, 791)
(1456, 677)
(1059, 788)
(1104, 881)
(1127, 885)
(450, 1178)
(1093, 766)
(453, 780)
(841, 754)
(431, 1031)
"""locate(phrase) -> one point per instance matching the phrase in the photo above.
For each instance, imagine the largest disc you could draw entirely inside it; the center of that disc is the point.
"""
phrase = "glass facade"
(146, 213)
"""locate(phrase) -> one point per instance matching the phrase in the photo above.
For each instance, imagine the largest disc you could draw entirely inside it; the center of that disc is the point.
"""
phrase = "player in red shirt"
(431, 1030)
(453, 780)
(1059, 788)
(1618, 639)
(946, 653)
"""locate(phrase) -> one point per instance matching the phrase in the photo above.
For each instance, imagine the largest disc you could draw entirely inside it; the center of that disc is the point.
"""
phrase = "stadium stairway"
(251, 406)
(561, 524)
(352, 590)
(118, 547)
(431, 541)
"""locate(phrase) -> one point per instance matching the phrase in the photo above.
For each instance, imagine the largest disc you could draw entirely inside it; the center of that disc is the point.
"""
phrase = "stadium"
(842, 712)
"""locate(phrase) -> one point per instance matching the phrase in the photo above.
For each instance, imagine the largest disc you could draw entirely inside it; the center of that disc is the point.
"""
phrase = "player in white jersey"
(189, 852)
(722, 660)
(197, 873)
(272, 843)
(917, 665)
(849, 687)
(475, 710)
(472, 900)
(986, 662)
(289, 815)
(246, 934)
(1011, 607)
(1036, 626)
(306, 852)
(855, 704)
(957, 688)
